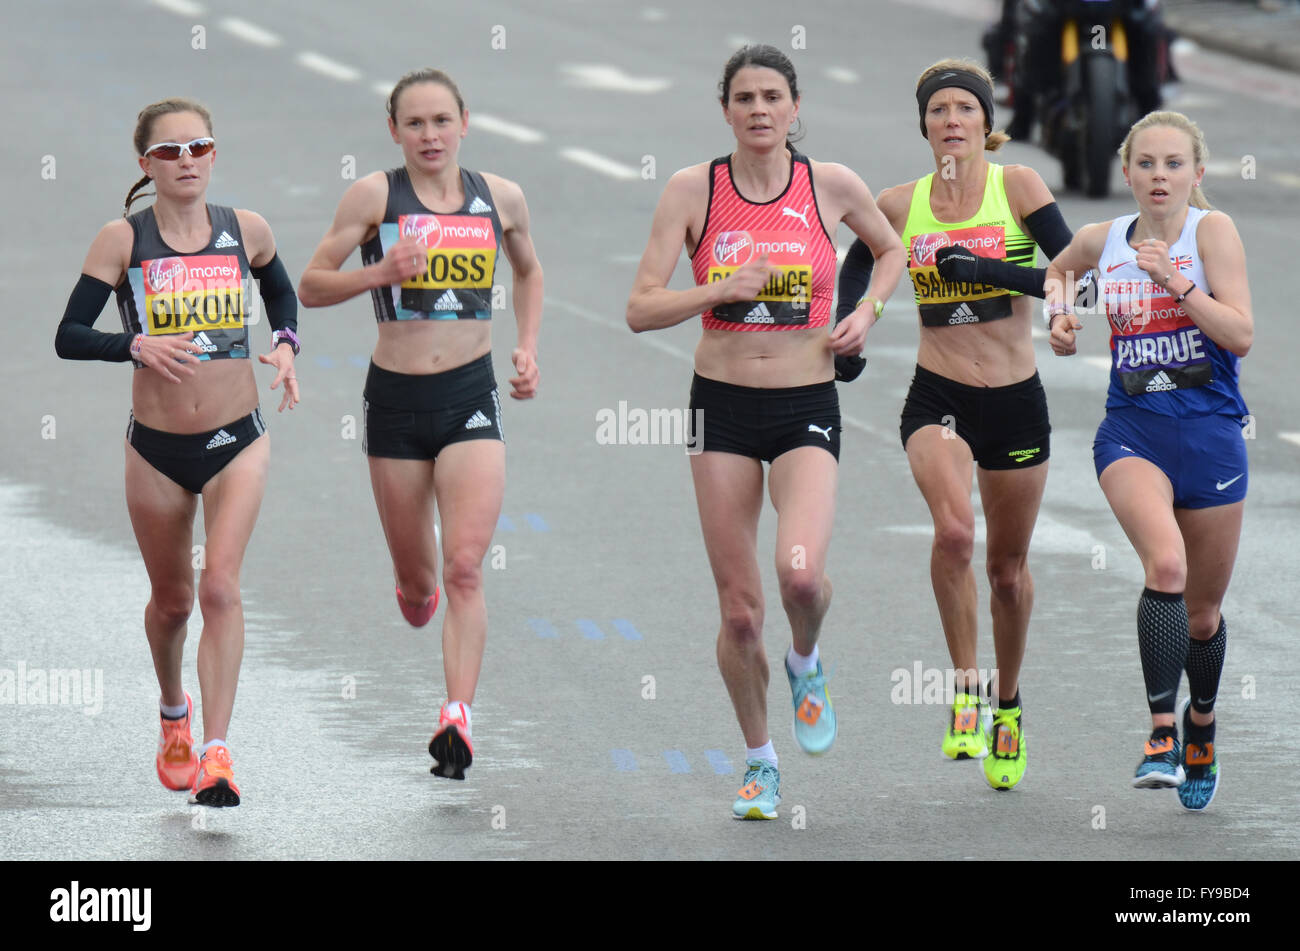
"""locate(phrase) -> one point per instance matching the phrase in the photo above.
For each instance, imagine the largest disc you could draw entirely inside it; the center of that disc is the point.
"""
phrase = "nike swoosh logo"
(1206, 703)
(1113, 266)
(1158, 697)
(1223, 485)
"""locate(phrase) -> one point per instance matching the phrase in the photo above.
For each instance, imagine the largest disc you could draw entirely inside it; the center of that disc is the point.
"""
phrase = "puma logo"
(801, 215)
(817, 429)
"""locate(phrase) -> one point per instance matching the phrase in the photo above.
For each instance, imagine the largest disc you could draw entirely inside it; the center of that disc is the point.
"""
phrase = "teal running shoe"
(814, 717)
(761, 794)
(1160, 767)
(1200, 763)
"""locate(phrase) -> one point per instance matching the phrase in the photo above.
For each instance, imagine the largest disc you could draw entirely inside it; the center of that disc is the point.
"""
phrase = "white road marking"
(599, 163)
(1101, 363)
(841, 75)
(1290, 179)
(1240, 77)
(498, 126)
(185, 8)
(611, 79)
(384, 89)
(653, 14)
(250, 32)
(328, 67)
(1290, 437)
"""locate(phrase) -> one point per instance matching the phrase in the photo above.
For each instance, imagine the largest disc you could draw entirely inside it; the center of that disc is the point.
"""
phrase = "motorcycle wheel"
(1100, 82)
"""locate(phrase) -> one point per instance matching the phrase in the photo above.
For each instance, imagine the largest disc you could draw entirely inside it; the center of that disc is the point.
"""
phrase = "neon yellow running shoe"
(966, 736)
(1005, 765)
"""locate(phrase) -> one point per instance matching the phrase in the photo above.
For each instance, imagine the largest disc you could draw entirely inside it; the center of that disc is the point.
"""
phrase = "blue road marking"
(718, 760)
(590, 631)
(325, 363)
(624, 760)
(361, 363)
(536, 522)
(542, 627)
(626, 629)
(677, 761)
(504, 524)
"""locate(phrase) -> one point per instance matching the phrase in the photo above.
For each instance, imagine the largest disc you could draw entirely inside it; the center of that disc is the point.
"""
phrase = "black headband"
(962, 80)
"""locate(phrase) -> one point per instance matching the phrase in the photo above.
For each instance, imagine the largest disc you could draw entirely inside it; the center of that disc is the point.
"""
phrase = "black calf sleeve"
(1162, 642)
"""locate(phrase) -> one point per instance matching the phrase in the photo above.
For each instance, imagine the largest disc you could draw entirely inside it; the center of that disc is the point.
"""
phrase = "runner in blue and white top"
(1170, 455)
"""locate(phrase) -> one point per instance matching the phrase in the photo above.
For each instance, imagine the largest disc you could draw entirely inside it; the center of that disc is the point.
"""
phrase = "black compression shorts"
(1006, 427)
(764, 423)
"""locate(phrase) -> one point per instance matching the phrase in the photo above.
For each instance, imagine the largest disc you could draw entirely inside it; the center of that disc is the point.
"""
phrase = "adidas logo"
(478, 206)
(226, 241)
(204, 343)
(448, 301)
(478, 421)
(1161, 382)
(222, 438)
(760, 315)
(963, 315)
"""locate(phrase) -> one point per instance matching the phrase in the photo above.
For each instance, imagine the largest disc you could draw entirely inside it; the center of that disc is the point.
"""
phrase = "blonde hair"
(1172, 120)
(144, 131)
(992, 140)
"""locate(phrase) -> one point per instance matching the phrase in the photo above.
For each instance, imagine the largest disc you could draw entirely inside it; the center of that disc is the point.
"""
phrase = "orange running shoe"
(215, 783)
(177, 762)
(451, 747)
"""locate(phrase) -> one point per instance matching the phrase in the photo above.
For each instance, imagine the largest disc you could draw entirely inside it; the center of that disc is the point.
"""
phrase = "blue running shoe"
(814, 717)
(1200, 763)
(761, 794)
(1160, 767)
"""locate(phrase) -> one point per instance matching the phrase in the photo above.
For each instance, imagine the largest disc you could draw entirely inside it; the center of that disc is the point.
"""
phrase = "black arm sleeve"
(855, 277)
(1048, 229)
(77, 338)
(278, 295)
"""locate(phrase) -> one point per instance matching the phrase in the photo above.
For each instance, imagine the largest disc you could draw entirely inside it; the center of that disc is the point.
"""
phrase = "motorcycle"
(1072, 58)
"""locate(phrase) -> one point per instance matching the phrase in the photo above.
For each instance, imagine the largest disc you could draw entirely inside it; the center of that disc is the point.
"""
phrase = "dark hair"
(422, 76)
(144, 131)
(769, 57)
(757, 54)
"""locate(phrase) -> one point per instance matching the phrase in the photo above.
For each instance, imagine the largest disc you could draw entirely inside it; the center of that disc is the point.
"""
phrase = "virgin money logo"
(924, 246)
(166, 274)
(733, 248)
(423, 227)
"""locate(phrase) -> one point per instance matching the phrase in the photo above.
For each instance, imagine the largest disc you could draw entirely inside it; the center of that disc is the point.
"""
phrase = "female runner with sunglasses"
(1169, 455)
(430, 232)
(179, 270)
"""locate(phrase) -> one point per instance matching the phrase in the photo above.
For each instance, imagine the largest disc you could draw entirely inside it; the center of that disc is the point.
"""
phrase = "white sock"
(173, 713)
(767, 751)
(211, 743)
(451, 707)
(799, 664)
